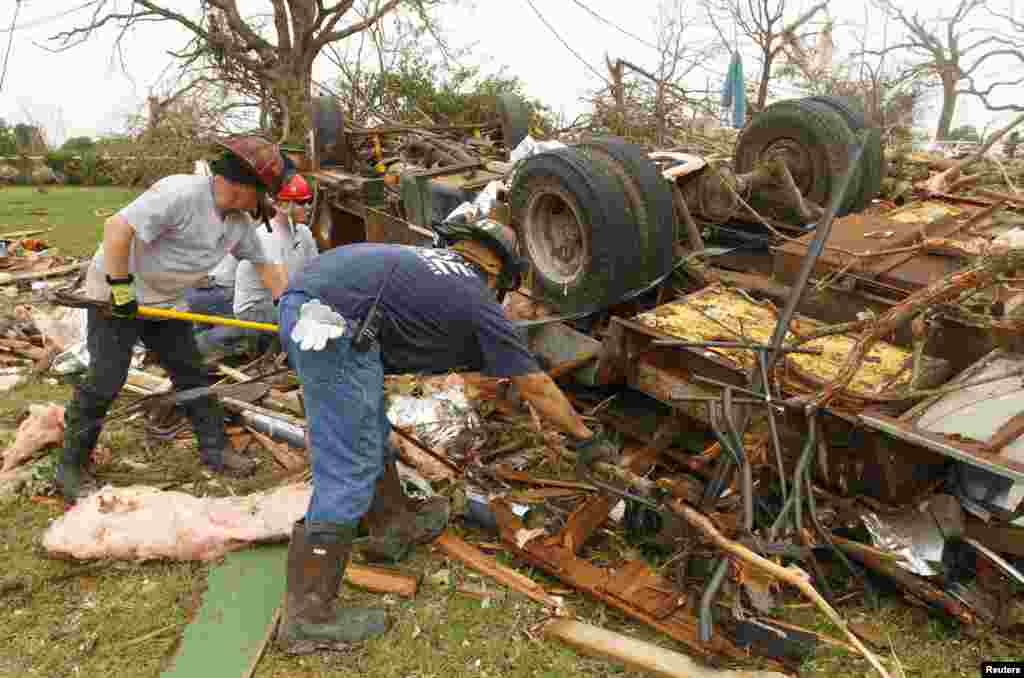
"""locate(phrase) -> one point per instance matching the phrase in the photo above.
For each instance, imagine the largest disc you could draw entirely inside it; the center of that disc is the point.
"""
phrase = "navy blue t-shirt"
(437, 313)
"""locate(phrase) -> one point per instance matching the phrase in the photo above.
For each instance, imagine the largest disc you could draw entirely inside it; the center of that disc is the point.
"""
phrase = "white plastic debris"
(483, 203)
(317, 325)
(1014, 238)
(530, 146)
(436, 420)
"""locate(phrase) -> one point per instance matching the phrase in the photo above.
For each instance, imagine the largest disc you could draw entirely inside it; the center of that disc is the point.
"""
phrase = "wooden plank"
(481, 562)
(12, 278)
(585, 520)
(381, 580)
(578, 573)
(506, 473)
(659, 661)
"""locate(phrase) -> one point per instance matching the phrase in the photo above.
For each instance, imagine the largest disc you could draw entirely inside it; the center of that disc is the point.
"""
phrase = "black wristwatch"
(127, 280)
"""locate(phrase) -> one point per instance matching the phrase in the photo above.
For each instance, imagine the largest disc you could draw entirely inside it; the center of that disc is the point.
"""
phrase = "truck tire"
(649, 202)
(514, 114)
(573, 226)
(854, 118)
(814, 141)
(873, 159)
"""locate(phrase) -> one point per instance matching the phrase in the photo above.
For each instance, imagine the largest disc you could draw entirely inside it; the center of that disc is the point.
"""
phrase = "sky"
(90, 89)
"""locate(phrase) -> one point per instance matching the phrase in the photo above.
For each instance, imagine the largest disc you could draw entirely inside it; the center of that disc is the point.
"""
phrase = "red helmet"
(265, 158)
(295, 189)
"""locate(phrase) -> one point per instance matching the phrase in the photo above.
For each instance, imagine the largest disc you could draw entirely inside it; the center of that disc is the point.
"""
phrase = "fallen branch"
(381, 580)
(703, 524)
(939, 182)
(942, 291)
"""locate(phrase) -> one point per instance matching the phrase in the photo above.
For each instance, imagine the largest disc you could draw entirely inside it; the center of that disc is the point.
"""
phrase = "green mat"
(228, 633)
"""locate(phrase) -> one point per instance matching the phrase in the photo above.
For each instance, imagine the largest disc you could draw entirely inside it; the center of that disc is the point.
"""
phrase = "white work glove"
(317, 325)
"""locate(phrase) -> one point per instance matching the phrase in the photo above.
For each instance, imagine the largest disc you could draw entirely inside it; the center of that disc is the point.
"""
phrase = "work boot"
(396, 524)
(227, 462)
(317, 558)
(215, 451)
(81, 431)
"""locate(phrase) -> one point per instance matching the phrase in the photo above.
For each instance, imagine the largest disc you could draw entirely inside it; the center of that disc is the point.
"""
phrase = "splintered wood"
(718, 314)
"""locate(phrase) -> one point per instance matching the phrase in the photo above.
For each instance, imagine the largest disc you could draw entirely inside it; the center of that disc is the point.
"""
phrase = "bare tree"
(762, 22)
(655, 98)
(949, 50)
(1010, 57)
(266, 56)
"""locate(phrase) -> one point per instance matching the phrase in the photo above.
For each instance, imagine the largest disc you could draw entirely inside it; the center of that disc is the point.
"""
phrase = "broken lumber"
(702, 523)
(507, 473)
(637, 654)
(12, 278)
(281, 452)
(381, 580)
(481, 562)
(639, 593)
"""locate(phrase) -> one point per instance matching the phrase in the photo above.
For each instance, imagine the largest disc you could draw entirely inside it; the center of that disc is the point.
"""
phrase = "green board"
(228, 633)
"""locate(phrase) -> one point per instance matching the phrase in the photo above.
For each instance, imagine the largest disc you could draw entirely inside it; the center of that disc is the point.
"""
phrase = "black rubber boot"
(215, 451)
(396, 524)
(82, 425)
(317, 558)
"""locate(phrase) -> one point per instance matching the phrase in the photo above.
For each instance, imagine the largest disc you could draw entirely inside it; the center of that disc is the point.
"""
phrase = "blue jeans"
(214, 339)
(343, 391)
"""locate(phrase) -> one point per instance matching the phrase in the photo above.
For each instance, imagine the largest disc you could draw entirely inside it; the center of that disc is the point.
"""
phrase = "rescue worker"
(154, 249)
(437, 311)
(289, 242)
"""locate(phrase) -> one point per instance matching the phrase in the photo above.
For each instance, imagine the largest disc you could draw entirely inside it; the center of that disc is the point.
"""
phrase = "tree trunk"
(294, 116)
(766, 75)
(949, 96)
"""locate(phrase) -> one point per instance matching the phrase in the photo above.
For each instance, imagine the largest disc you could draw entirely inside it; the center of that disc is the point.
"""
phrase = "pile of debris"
(816, 382)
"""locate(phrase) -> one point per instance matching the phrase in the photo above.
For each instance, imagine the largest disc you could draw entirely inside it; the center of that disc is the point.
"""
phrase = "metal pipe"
(706, 625)
(814, 251)
(278, 429)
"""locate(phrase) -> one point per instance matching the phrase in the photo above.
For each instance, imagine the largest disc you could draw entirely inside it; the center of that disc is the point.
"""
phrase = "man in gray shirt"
(290, 243)
(154, 249)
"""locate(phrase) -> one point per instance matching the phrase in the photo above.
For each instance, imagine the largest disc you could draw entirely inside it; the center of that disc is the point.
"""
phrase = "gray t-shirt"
(179, 238)
(224, 274)
(291, 247)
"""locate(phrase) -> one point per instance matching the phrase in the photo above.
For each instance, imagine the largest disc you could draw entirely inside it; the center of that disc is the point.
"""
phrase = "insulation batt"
(144, 523)
(44, 426)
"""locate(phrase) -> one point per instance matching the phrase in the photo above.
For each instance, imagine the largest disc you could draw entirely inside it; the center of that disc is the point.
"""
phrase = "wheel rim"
(555, 238)
(797, 159)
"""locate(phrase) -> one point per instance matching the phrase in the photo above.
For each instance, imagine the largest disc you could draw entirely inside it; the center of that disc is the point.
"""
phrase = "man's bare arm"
(117, 245)
(538, 389)
(274, 277)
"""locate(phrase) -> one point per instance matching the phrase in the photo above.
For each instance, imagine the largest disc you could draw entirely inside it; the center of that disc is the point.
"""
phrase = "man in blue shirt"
(436, 311)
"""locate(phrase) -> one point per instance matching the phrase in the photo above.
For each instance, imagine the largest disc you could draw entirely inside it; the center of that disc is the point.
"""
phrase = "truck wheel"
(649, 203)
(815, 144)
(574, 229)
(872, 159)
(854, 118)
(514, 114)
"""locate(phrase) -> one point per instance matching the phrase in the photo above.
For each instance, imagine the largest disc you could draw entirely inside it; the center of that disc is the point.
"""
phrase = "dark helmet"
(498, 238)
(264, 158)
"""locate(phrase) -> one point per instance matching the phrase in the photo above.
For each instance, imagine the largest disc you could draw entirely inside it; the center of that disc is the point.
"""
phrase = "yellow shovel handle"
(168, 314)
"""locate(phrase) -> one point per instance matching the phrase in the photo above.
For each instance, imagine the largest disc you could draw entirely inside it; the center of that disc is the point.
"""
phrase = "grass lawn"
(125, 619)
(75, 213)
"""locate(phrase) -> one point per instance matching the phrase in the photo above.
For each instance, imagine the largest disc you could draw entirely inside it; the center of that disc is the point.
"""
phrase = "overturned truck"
(832, 352)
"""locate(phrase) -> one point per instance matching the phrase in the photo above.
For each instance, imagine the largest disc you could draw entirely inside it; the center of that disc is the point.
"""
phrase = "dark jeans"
(110, 342)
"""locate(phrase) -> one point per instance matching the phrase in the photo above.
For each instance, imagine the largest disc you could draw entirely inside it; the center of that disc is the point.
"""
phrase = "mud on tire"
(815, 141)
(575, 229)
(649, 203)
